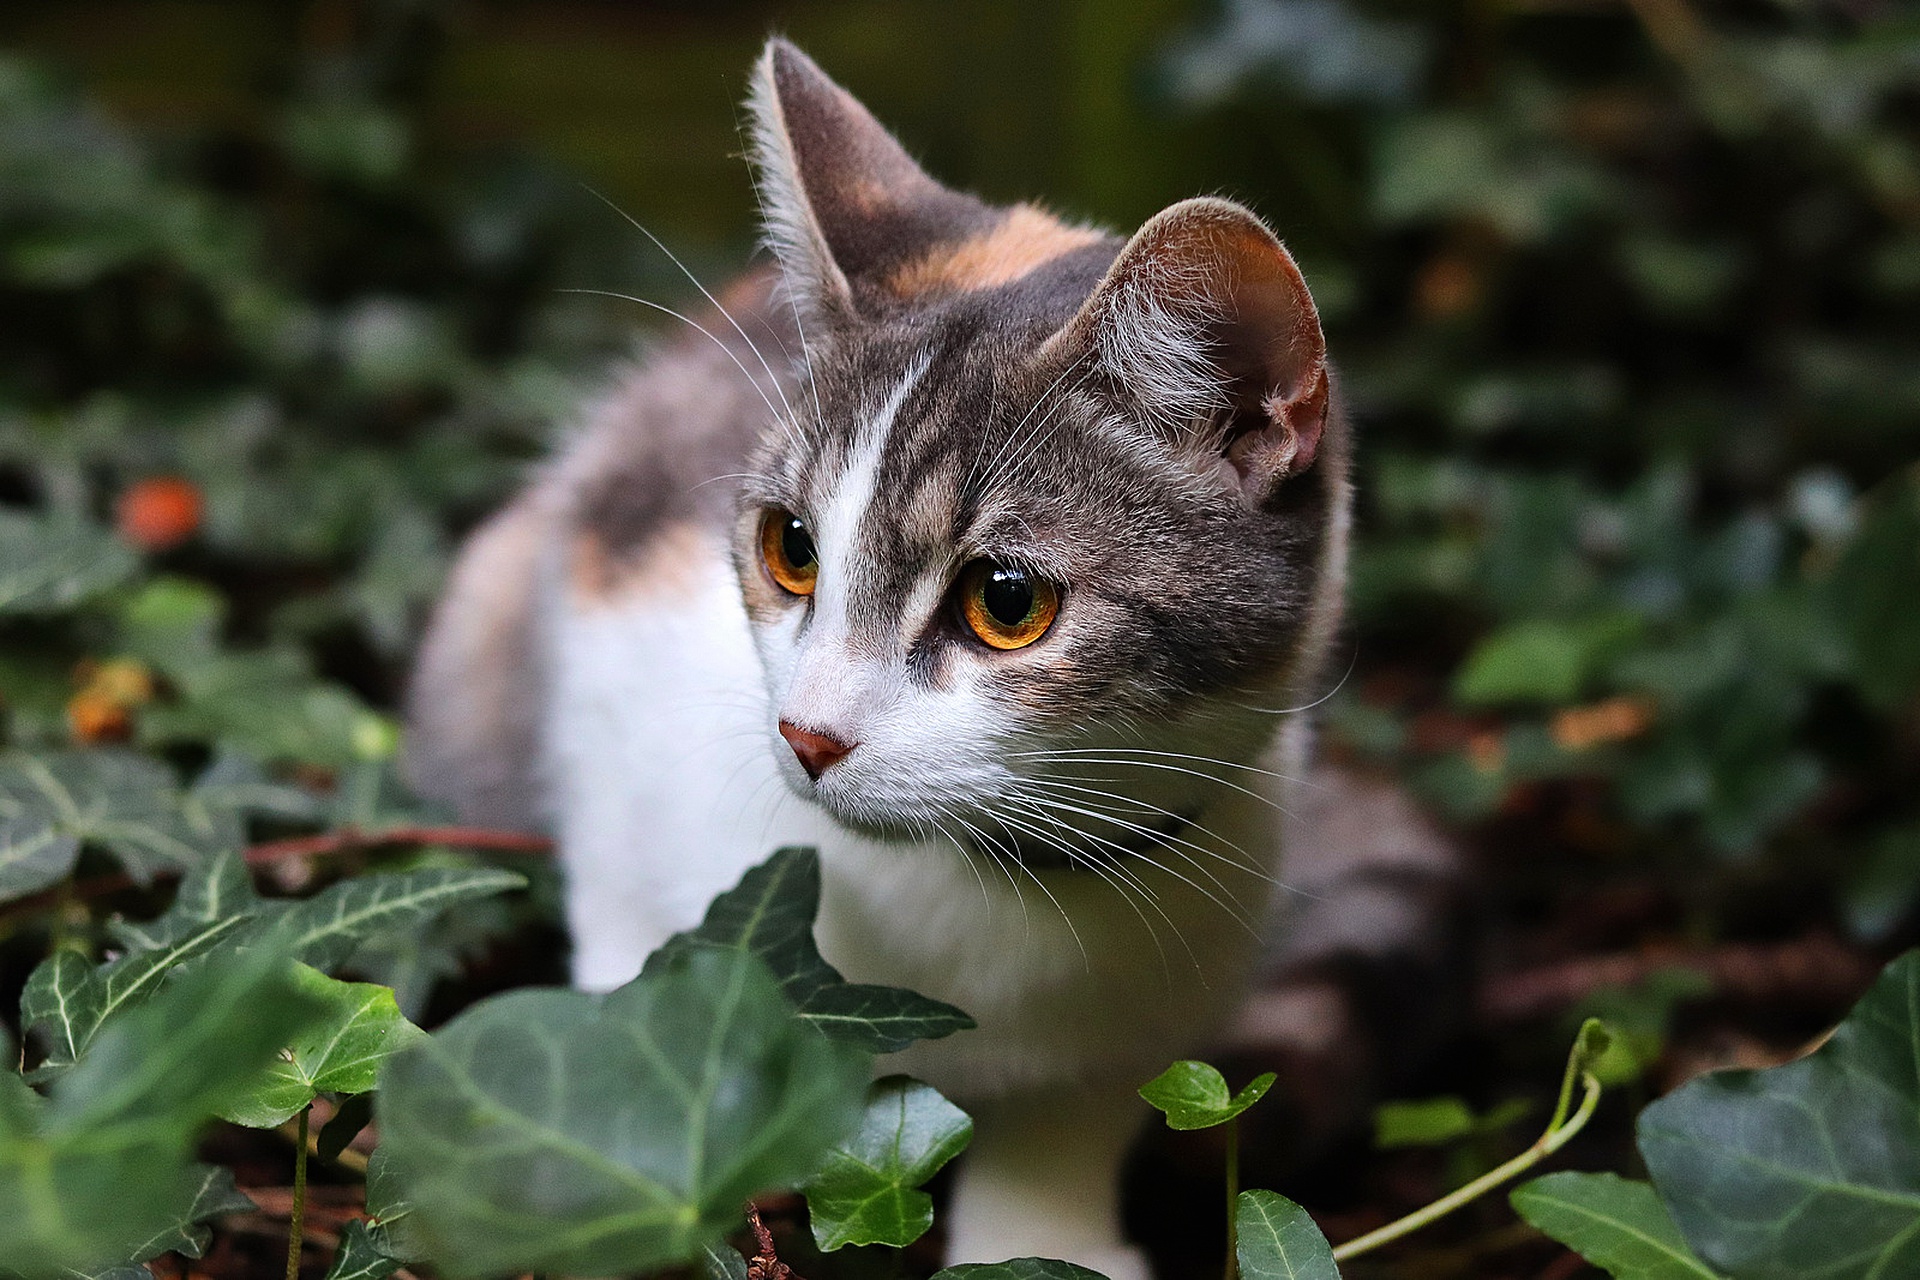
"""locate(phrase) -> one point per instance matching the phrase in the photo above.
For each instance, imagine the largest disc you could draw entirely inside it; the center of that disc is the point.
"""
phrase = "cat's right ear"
(845, 205)
(1204, 327)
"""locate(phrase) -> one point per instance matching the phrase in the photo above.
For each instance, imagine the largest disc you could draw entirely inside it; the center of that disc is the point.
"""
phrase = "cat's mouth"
(1032, 841)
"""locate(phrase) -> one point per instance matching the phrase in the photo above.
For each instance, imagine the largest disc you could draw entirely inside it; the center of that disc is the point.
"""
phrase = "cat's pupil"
(1008, 595)
(796, 544)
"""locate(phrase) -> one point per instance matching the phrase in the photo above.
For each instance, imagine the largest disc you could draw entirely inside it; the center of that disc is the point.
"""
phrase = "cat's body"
(1073, 837)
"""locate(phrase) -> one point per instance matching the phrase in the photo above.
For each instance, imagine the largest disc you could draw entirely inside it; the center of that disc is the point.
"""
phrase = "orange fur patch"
(674, 558)
(1021, 241)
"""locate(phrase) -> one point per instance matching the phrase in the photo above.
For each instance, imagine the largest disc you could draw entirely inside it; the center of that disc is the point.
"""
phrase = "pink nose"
(816, 750)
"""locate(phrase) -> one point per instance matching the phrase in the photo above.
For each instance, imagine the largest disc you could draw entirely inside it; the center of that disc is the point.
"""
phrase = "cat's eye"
(788, 549)
(1006, 607)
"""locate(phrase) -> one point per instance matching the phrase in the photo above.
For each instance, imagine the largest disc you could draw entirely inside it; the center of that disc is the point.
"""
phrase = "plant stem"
(1233, 1198)
(1556, 1136)
(296, 1220)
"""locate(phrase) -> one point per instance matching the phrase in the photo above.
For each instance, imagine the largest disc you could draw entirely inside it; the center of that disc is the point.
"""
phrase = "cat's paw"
(1120, 1262)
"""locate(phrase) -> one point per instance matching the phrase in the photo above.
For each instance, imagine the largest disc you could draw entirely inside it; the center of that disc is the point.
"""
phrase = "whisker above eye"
(786, 420)
(713, 301)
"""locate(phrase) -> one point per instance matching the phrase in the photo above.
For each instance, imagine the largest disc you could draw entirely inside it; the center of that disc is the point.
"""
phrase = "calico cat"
(986, 552)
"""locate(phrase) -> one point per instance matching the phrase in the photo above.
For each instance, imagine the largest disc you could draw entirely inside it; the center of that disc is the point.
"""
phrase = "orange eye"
(1006, 607)
(788, 550)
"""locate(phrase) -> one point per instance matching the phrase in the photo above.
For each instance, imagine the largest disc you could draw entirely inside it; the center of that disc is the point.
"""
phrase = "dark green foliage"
(1627, 311)
(361, 1256)
(1278, 1241)
(554, 1130)
(769, 914)
(867, 1192)
(1018, 1269)
(1612, 1222)
(102, 1169)
(1193, 1095)
(1812, 1168)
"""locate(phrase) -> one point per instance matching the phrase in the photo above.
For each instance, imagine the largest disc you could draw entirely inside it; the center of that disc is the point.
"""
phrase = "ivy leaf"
(1278, 1241)
(1615, 1223)
(339, 1051)
(214, 1196)
(102, 1170)
(722, 1262)
(70, 1000)
(561, 1131)
(1018, 1269)
(881, 1019)
(770, 914)
(124, 802)
(866, 1193)
(34, 853)
(1812, 1168)
(361, 1256)
(325, 929)
(216, 891)
(1194, 1095)
(48, 563)
(354, 1113)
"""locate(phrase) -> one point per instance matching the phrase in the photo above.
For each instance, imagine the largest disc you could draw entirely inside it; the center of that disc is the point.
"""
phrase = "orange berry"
(159, 513)
(93, 719)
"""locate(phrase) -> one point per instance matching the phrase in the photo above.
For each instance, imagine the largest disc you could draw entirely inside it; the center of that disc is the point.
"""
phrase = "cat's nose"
(815, 750)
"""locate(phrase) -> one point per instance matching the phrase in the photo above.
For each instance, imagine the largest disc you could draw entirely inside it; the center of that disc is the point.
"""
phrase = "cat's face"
(1037, 545)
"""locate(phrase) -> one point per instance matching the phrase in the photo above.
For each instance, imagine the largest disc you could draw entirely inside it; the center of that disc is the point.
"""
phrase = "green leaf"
(560, 1131)
(1278, 1241)
(1539, 660)
(103, 1169)
(338, 1052)
(361, 1256)
(1194, 1095)
(1616, 1224)
(69, 999)
(124, 802)
(325, 929)
(217, 890)
(34, 853)
(881, 1019)
(770, 914)
(1018, 1269)
(214, 1196)
(722, 1262)
(1812, 1168)
(1430, 1122)
(48, 563)
(352, 1115)
(866, 1192)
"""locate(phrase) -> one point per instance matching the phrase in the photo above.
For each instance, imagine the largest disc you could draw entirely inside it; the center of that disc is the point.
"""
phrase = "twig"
(1817, 969)
(765, 1264)
(297, 1218)
(1559, 1132)
(346, 1157)
(340, 840)
(345, 839)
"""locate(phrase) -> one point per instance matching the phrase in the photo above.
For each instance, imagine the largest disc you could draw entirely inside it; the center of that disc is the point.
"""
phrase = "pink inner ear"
(1275, 316)
(1299, 417)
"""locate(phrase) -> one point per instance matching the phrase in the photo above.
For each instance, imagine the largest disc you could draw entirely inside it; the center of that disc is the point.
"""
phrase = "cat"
(993, 555)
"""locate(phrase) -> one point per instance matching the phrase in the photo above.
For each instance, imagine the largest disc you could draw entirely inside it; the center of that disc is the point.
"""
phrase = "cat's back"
(637, 502)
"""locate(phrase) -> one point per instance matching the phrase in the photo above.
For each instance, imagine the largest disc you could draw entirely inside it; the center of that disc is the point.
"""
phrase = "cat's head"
(1050, 509)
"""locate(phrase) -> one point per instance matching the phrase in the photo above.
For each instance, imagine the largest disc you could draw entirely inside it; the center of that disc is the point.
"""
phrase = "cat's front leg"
(1042, 1179)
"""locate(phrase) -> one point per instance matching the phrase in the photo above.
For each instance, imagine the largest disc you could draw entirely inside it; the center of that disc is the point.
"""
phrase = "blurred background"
(1625, 293)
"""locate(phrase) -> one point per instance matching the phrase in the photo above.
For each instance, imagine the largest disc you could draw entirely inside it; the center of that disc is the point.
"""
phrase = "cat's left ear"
(845, 205)
(1205, 327)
